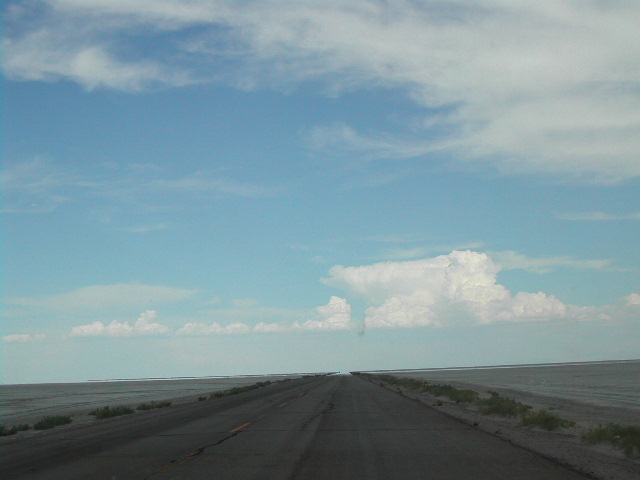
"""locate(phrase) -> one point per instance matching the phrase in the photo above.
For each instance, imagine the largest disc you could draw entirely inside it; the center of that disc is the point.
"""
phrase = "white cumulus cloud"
(633, 299)
(144, 325)
(193, 329)
(23, 338)
(532, 306)
(460, 287)
(334, 316)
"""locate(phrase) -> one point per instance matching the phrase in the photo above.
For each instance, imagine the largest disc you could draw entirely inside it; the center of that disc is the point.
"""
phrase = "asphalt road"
(337, 427)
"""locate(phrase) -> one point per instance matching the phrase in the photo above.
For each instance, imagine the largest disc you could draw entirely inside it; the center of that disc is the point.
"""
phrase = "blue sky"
(204, 187)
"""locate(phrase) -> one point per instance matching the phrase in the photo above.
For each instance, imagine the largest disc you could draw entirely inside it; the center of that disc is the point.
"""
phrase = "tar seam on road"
(175, 463)
(330, 407)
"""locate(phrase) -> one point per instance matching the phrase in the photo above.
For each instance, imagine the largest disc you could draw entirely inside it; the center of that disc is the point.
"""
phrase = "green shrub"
(5, 432)
(494, 405)
(50, 422)
(462, 396)
(502, 406)
(455, 394)
(546, 420)
(625, 438)
(153, 405)
(238, 390)
(200, 399)
(108, 412)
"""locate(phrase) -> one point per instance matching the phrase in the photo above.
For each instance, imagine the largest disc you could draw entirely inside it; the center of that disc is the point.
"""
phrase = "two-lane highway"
(338, 427)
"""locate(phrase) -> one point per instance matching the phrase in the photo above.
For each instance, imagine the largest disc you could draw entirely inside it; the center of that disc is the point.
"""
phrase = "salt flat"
(603, 384)
(29, 403)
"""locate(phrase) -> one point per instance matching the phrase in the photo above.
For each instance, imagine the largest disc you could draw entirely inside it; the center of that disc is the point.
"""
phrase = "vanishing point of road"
(330, 427)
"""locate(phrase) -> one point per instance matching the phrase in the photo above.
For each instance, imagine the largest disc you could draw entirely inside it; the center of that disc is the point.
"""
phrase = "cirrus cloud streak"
(544, 87)
(104, 297)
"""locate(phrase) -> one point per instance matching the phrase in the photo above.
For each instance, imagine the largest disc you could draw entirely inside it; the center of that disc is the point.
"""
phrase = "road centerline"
(241, 427)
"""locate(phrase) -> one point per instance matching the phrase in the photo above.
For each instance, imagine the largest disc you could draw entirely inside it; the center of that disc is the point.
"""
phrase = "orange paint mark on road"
(237, 429)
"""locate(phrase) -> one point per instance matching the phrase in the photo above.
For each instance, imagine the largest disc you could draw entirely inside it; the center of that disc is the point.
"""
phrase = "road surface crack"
(328, 408)
(179, 461)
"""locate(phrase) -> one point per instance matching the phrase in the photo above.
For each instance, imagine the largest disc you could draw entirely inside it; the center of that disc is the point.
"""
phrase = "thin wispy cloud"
(38, 186)
(99, 298)
(423, 251)
(527, 86)
(598, 216)
(42, 186)
(205, 183)
(144, 229)
(510, 260)
(244, 312)
(344, 138)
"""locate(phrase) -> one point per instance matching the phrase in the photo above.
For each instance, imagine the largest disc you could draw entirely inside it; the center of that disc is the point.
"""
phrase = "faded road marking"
(237, 429)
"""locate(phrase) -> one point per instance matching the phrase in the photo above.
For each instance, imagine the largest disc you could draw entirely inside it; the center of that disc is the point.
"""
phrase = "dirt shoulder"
(563, 446)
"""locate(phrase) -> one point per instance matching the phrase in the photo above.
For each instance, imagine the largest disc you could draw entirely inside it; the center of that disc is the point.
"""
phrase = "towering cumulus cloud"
(440, 291)
(336, 315)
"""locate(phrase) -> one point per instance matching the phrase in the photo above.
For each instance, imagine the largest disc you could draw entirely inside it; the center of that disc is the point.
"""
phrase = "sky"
(195, 188)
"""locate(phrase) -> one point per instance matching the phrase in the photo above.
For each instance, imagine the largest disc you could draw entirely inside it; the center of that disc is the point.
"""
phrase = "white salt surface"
(29, 403)
(590, 393)
(605, 384)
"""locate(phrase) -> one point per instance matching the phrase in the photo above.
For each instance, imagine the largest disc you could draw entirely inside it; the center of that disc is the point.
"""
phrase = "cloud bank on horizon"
(460, 288)
(454, 289)
(519, 86)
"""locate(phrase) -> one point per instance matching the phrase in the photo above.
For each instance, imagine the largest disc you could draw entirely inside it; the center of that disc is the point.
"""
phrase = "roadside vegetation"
(246, 388)
(495, 404)
(231, 391)
(625, 438)
(545, 419)
(455, 394)
(52, 421)
(503, 406)
(108, 412)
(153, 405)
(5, 432)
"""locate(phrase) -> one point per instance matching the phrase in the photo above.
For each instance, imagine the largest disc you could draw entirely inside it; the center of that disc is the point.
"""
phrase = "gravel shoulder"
(563, 446)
